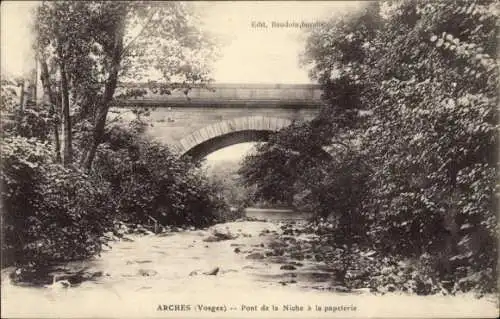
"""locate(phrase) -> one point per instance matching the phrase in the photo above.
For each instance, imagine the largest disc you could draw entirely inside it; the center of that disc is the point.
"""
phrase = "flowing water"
(144, 276)
(276, 214)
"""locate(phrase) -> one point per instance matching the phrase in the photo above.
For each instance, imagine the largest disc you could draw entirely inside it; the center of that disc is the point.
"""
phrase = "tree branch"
(127, 47)
(116, 119)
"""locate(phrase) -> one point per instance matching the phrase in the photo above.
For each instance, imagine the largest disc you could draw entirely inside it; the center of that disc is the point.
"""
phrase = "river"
(150, 275)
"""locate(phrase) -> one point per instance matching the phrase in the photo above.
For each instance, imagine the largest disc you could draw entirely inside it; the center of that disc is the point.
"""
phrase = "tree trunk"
(68, 148)
(21, 96)
(52, 101)
(35, 83)
(107, 97)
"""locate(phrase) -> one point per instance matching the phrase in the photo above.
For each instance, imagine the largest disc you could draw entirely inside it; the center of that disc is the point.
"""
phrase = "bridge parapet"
(230, 95)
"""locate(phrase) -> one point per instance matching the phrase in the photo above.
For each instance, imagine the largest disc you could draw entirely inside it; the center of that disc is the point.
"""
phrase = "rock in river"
(255, 256)
(219, 235)
(297, 255)
(147, 272)
(295, 263)
(288, 267)
(212, 272)
(362, 290)
(339, 289)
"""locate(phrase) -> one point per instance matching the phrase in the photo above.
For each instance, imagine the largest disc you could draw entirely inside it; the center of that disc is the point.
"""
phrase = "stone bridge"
(202, 120)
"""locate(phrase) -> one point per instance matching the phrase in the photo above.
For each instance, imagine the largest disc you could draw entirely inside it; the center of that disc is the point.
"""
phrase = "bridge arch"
(211, 138)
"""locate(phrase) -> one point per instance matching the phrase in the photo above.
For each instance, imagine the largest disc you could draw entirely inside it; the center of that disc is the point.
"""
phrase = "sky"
(250, 53)
(258, 54)
(16, 56)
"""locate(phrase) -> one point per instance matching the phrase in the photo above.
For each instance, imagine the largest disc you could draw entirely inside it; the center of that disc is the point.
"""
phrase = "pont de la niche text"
(272, 308)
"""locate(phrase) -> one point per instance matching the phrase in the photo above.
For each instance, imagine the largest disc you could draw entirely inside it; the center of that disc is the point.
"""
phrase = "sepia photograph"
(249, 159)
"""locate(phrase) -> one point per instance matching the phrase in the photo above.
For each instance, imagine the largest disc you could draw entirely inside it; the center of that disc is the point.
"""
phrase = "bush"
(50, 213)
(35, 121)
(148, 180)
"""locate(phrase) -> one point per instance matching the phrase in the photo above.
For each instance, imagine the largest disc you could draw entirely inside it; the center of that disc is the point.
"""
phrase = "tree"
(411, 89)
(280, 163)
(63, 41)
(434, 114)
(93, 45)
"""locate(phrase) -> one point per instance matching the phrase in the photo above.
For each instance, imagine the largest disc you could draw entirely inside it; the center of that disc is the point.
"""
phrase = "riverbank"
(145, 272)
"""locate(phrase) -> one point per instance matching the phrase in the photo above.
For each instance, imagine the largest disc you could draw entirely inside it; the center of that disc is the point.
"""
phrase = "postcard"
(249, 159)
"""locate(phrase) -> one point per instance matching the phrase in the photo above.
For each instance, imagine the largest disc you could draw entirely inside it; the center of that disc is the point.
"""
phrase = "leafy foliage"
(148, 180)
(411, 92)
(50, 213)
(9, 95)
(33, 122)
(278, 164)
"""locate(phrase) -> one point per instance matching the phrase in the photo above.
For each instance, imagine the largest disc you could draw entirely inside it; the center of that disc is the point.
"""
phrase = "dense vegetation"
(148, 180)
(402, 159)
(69, 177)
(225, 174)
